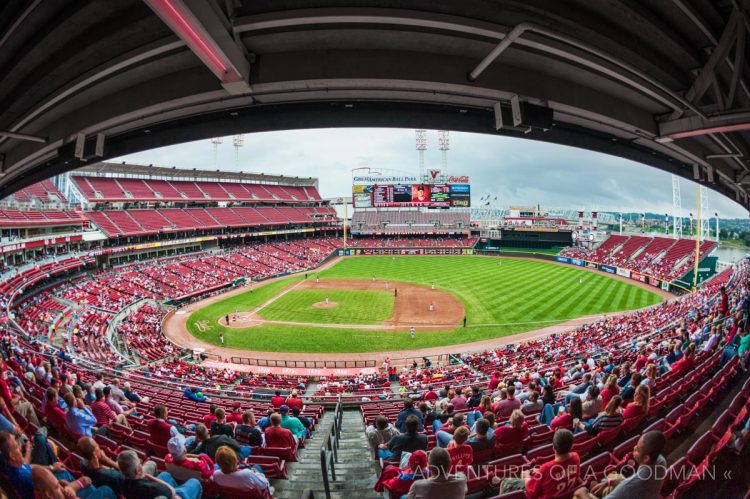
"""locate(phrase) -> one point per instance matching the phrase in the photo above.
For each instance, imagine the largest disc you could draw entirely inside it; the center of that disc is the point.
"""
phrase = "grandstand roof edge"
(133, 170)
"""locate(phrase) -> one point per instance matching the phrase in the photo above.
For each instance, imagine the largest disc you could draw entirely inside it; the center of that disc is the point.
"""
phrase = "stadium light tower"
(716, 214)
(705, 215)
(238, 141)
(676, 208)
(421, 136)
(216, 141)
(444, 145)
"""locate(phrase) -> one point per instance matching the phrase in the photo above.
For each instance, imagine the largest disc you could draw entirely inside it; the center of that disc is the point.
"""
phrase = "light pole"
(716, 214)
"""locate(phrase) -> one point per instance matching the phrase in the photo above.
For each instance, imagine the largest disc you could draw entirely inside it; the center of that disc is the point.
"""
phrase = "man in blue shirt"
(79, 418)
(407, 411)
(16, 463)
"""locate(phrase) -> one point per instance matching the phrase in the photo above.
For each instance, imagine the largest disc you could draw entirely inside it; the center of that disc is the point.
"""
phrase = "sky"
(517, 171)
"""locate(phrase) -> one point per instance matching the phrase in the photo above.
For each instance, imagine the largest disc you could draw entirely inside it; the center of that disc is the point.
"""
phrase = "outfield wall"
(627, 273)
(404, 251)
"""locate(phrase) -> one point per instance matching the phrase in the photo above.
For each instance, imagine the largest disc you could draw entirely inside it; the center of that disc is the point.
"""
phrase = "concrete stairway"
(356, 471)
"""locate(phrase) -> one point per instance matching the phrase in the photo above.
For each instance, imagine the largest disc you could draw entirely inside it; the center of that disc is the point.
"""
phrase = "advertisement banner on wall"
(654, 282)
(592, 265)
(665, 285)
(562, 259)
(608, 269)
(460, 195)
(623, 272)
(638, 277)
(576, 261)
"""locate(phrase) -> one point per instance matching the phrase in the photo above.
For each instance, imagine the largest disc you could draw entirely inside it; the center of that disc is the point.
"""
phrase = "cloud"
(518, 171)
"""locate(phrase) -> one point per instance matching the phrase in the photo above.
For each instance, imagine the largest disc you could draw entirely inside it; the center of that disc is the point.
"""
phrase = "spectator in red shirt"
(103, 414)
(642, 360)
(159, 430)
(686, 362)
(210, 417)
(462, 454)
(553, 478)
(610, 389)
(565, 420)
(513, 435)
(183, 466)
(430, 395)
(494, 381)
(294, 401)
(445, 434)
(276, 436)
(55, 416)
(510, 404)
(235, 416)
(459, 401)
(639, 406)
(277, 400)
(398, 481)
(724, 306)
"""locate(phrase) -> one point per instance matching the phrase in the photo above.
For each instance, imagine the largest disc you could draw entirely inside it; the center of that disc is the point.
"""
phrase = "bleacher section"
(633, 244)
(408, 221)
(662, 257)
(16, 218)
(45, 191)
(608, 246)
(139, 222)
(110, 189)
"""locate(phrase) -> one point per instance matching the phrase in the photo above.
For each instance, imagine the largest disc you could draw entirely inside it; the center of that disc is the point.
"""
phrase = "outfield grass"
(354, 307)
(501, 297)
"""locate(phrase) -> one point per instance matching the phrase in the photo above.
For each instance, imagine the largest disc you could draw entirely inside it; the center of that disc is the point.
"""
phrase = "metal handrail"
(329, 449)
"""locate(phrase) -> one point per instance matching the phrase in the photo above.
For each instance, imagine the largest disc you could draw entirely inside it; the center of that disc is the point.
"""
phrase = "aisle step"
(356, 472)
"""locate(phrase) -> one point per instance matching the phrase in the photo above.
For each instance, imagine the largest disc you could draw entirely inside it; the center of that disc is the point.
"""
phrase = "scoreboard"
(401, 195)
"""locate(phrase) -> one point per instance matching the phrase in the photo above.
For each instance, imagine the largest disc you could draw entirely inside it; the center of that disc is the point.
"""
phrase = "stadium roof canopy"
(665, 83)
(108, 169)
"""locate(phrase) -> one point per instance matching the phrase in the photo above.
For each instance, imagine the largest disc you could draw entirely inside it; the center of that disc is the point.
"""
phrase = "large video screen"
(430, 195)
(398, 195)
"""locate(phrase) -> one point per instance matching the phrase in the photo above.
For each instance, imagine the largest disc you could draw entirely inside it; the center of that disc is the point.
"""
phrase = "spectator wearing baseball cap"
(183, 466)
(292, 424)
(399, 481)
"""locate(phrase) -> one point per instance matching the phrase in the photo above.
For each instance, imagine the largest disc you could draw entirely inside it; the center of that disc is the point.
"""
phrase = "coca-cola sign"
(462, 179)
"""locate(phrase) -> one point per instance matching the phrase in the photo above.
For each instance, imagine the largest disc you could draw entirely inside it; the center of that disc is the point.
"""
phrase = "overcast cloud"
(517, 171)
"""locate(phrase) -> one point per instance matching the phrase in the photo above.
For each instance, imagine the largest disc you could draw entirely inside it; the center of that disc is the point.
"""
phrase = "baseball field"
(374, 301)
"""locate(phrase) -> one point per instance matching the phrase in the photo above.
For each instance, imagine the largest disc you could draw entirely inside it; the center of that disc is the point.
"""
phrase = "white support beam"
(206, 31)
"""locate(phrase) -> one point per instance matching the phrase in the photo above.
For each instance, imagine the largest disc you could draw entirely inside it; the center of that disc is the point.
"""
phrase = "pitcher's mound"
(322, 304)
